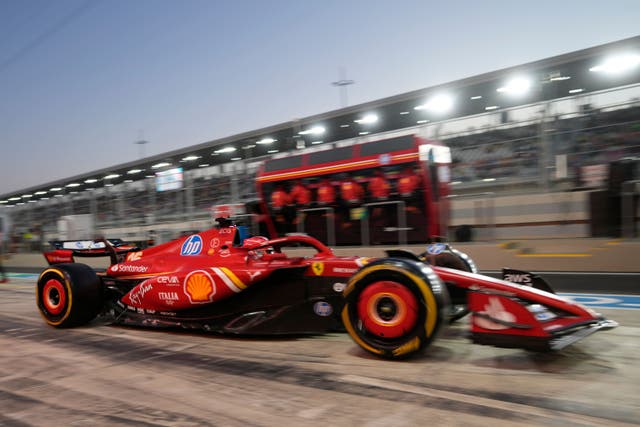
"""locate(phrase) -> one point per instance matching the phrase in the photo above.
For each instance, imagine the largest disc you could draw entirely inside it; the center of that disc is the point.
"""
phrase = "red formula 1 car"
(392, 307)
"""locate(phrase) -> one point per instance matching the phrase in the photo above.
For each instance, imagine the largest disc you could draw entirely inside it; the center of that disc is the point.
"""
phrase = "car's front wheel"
(394, 307)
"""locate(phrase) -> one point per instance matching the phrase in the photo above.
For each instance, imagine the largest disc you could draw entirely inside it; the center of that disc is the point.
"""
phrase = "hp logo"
(192, 246)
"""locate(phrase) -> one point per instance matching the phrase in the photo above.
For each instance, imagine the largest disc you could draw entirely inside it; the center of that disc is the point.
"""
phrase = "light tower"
(141, 143)
(342, 84)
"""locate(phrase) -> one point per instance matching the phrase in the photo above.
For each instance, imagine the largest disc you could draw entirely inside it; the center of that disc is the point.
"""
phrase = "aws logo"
(524, 279)
(199, 287)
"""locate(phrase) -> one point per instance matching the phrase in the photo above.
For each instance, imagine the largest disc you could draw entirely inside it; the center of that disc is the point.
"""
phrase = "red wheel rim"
(54, 297)
(387, 309)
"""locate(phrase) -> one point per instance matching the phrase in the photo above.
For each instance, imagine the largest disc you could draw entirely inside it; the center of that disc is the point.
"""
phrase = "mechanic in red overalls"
(281, 205)
(379, 189)
(351, 192)
(379, 186)
(408, 189)
(408, 183)
(279, 198)
(326, 193)
(300, 194)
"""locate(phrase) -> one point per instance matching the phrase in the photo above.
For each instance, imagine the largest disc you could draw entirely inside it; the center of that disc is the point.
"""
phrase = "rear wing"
(65, 251)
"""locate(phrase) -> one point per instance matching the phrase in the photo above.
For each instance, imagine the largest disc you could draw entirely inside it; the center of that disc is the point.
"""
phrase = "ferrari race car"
(392, 307)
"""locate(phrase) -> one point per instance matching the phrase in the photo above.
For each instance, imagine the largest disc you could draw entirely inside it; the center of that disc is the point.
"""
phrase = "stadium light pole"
(342, 84)
(141, 143)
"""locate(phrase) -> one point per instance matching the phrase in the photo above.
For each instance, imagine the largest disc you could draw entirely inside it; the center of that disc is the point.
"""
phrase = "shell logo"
(199, 287)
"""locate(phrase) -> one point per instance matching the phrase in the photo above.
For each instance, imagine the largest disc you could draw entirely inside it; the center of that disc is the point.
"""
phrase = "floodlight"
(617, 64)
(265, 141)
(90, 181)
(160, 165)
(316, 130)
(225, 150)
(72, 185)
(134, 171)
(368, 119)
(440, 104)
(111, 176)
(559, 78)
(516, 86)
(190, 158)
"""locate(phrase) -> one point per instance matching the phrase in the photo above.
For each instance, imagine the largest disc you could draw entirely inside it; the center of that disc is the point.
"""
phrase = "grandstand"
(577, 117)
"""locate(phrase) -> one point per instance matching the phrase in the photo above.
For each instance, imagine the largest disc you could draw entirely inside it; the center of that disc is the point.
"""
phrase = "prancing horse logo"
(318, 268)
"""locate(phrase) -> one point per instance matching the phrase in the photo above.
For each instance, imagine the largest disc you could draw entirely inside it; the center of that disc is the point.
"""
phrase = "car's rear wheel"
(69, 295)
(394, 307)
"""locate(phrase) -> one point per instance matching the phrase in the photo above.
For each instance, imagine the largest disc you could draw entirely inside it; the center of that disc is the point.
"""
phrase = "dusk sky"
(81, 81)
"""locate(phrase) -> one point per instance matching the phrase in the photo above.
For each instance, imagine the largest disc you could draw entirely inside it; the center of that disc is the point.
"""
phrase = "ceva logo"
(192, 246)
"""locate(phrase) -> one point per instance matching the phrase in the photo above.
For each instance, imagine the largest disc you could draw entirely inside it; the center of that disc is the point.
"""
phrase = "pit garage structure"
(523, 104)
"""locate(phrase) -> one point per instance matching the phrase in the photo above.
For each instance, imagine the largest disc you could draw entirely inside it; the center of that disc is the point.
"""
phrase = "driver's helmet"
(254, 242)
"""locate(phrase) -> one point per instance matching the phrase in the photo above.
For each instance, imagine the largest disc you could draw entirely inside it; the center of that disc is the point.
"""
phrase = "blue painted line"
(31, 276)
(627, 302)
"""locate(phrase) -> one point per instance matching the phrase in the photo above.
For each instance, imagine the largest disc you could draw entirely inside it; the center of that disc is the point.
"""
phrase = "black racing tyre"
(394, 307)
(69, 295)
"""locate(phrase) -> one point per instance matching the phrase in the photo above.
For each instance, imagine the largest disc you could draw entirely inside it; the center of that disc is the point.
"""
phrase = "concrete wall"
(525, 216)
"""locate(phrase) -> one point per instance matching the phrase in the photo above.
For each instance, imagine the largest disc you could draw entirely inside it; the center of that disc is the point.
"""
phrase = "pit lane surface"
(102, 375)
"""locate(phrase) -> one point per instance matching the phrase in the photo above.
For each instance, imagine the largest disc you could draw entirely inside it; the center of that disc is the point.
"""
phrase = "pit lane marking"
(29, 276)
(628, 302)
